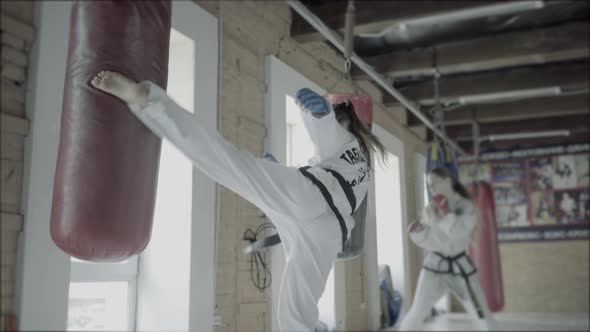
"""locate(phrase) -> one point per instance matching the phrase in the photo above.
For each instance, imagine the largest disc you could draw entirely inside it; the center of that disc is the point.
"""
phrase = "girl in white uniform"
(446, 231)
(311, 207)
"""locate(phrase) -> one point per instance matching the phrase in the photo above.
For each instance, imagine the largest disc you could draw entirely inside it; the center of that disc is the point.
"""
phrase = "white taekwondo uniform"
(302, 203)
(446, 266)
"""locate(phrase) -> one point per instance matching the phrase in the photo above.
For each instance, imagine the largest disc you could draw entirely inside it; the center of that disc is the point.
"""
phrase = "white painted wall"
(204, 28)
(43, 272)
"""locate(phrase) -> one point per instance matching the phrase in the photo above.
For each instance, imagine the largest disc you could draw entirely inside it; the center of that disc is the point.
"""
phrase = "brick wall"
(16, 39)
(546, 276)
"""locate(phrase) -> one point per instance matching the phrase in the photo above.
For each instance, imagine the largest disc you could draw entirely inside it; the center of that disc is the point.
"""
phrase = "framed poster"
(540, 194)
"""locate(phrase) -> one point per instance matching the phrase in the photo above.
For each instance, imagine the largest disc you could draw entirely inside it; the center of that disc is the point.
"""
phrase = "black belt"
(462, 272)
(346, 187)
(450, 260)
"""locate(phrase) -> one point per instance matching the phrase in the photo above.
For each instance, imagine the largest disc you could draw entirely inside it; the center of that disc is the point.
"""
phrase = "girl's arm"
(435, 237)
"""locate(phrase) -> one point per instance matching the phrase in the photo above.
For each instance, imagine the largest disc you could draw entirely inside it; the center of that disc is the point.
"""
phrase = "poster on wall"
(509, 193)
(467, 172)
(508, 171)
(582, 165)
(542, 208)
(540, 194)
(564, 172)
(541, 172)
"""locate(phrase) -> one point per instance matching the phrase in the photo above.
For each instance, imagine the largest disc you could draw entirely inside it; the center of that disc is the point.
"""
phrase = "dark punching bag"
(107, 165)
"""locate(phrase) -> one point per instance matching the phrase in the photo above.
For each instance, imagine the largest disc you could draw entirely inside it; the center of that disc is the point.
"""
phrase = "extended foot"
(120, 86)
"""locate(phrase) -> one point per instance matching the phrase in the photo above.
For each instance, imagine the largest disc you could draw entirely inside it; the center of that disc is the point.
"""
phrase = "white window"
(299, 145)
(390, 250)
(102, 296)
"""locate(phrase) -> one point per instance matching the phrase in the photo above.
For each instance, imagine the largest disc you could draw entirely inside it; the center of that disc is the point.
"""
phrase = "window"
(390, 249)
(98, 306)
(299, 145)
(102, 296)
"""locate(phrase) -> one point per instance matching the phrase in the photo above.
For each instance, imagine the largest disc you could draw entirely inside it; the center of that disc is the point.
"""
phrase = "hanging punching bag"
(106, 172)
(485, 252)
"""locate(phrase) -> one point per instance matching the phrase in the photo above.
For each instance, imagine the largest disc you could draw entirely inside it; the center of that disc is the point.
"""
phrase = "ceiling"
(509, 66)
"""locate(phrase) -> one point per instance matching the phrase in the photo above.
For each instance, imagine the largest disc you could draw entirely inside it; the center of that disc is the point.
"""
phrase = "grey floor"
(513, 322)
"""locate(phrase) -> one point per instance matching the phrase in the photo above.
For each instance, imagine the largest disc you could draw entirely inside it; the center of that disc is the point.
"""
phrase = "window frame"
(126, 271)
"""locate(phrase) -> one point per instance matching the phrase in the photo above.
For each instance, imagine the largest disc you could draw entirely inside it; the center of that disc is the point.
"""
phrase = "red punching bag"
(485, 253)
(107, 165)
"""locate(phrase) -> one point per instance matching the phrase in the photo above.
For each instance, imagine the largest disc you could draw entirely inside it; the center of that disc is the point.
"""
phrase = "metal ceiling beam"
(376, 16)
(576, 136)
(537, 108)
(336, 40)
(521, 110)
(565, 76)
(578, 122)
(463, 14)
(568, 42)
(525, 135)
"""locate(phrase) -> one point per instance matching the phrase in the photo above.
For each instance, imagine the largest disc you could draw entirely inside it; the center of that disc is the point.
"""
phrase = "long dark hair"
(445, 173)
(346, 115)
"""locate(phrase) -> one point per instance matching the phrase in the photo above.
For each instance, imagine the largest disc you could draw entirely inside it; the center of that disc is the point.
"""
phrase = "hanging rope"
(437, 110)
(348, 36)
(476, 141)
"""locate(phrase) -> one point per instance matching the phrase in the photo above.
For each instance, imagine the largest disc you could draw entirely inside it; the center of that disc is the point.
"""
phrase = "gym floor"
(513, 322)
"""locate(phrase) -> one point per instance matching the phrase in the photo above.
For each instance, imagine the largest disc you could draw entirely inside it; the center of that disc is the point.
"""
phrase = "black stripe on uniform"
(347, 189)
(328, 199)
